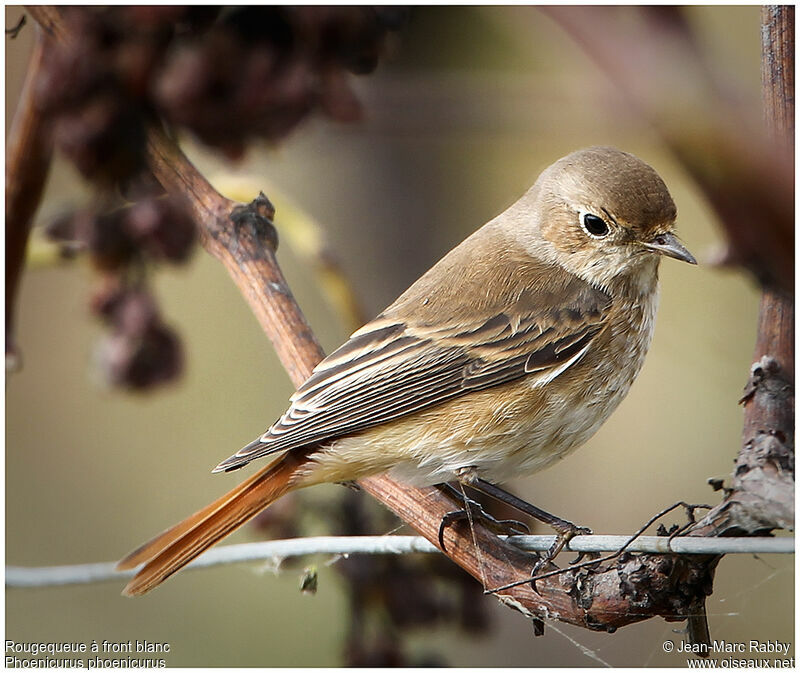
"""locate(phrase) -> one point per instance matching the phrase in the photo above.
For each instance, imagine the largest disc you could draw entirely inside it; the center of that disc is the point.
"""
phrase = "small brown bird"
(505, 356)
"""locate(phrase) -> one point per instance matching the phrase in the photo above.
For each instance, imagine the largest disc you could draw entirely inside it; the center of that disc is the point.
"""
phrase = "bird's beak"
(669, 245)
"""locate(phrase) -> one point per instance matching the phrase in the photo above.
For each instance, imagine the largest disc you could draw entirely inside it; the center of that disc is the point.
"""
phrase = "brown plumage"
(507, 354)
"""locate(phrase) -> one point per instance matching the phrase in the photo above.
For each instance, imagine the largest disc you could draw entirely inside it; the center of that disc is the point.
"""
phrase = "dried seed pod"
(162, 227)
(105, 138)
(228, 75)
(106, 299)
(142, 362)
(135, 313)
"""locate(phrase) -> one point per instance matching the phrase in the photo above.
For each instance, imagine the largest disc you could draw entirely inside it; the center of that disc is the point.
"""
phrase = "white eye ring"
(594, 225)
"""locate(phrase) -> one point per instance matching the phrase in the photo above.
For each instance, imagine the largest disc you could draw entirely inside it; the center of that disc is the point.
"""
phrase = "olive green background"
(459, 121)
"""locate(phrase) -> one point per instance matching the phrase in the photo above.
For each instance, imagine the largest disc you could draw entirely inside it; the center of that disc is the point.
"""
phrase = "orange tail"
(174, 548)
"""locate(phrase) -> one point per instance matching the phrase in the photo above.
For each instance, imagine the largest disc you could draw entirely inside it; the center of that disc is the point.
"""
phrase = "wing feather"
(391, 368)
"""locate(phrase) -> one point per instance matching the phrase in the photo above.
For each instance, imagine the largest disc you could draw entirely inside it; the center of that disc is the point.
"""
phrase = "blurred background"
(468, 107)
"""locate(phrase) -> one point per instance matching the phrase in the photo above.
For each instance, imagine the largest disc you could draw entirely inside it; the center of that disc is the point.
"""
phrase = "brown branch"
(28, 154)
(243, 239)
(777, 70)
(761, 497)
(246, 247)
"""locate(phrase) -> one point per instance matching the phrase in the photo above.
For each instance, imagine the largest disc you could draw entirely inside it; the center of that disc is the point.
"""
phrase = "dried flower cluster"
(229, 76)
(140, 350)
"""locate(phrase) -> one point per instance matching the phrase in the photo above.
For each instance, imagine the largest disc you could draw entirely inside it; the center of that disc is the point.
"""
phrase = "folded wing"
(391, 368)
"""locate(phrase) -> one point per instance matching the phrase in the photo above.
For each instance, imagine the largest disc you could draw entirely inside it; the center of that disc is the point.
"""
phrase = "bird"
(508, 354)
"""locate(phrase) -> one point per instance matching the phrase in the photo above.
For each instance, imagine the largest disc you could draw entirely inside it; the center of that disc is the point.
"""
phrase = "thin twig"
(14, 31)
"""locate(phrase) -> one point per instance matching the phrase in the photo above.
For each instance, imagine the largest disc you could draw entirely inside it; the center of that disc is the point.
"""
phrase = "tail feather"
(155, 546)
(174, 548)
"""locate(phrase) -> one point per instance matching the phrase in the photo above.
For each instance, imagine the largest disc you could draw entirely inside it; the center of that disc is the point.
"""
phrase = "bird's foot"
(472, 511)
(565, 531)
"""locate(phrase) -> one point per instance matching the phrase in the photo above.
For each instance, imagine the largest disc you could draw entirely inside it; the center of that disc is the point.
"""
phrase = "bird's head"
(605, 215)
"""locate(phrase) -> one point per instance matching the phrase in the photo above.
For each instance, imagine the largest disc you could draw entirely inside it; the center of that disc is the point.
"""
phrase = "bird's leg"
(565, 530)
(472, 511)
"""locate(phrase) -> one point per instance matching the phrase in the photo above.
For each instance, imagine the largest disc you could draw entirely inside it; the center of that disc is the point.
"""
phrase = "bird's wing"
(391, 368)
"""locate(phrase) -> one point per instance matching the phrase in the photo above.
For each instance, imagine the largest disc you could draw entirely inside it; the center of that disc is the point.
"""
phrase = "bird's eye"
(594, 225)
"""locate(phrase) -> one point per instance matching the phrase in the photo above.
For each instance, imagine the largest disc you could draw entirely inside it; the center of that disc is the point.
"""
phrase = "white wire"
(17, 576)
